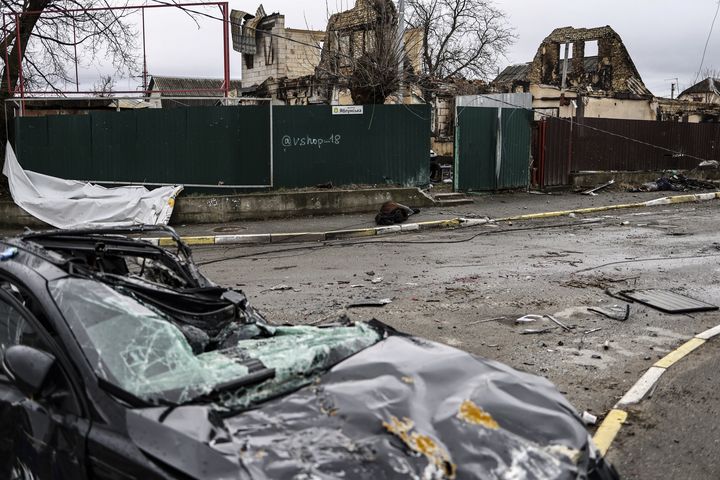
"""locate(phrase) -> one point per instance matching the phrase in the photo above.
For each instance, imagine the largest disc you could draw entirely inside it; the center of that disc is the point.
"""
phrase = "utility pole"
(673, 86)
(401, 50)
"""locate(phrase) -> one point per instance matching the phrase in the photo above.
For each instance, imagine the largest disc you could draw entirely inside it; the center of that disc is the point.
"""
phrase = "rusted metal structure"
(601, 144)
(10, 18)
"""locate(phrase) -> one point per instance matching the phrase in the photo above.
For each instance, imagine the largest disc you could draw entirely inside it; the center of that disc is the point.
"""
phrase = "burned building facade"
(270, 50)
(582, 72)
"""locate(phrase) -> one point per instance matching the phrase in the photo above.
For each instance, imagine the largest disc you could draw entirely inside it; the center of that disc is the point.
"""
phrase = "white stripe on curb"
(641, 387)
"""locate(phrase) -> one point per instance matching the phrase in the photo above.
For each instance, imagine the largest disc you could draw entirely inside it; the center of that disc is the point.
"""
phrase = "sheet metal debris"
(593, 192)
(667, 301)
(558, 323)
(611, 314)
(529, 319)
(537, 331)
(371, 303)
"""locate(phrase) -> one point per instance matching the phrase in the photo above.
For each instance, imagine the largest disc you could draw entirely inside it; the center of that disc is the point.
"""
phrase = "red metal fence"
(601, 144)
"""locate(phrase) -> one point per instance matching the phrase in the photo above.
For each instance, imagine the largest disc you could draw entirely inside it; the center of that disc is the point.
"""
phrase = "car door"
(39, 437)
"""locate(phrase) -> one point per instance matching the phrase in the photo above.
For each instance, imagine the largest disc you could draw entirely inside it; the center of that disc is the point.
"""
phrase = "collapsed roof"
(610, 72)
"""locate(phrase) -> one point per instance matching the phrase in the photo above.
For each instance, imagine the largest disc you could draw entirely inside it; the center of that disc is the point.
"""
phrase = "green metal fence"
(492, 148)
(232, 147)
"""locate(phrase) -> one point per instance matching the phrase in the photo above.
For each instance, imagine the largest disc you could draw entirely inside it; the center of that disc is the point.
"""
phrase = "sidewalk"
(492, 206)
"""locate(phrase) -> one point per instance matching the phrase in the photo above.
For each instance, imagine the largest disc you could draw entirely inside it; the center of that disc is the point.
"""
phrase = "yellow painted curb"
(169, 242)
(340, 234)
(455, 222)
(677, 355)
(609, 429)
(565, 213)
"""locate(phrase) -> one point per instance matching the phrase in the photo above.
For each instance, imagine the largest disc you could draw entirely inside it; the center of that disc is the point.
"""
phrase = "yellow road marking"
(674, 357)
(609, 429)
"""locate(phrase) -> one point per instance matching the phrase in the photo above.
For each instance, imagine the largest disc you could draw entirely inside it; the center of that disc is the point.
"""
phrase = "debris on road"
(675, 183)
(606, 345)
(371, 303)
(280, 288)
(529, 319)
(377, 280)
(592, 192)
(610, 314)
(589, 418)
(537, 331)
(709, 164)
(558, 323)
(667, 301)
(496, 319)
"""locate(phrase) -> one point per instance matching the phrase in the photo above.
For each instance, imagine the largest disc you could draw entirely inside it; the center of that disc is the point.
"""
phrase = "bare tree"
(51, 30)
(104, 87)
(363, 52)
(463, 38)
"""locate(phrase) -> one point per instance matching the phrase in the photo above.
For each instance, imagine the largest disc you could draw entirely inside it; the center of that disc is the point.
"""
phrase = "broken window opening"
(591, 48)
(249, 61)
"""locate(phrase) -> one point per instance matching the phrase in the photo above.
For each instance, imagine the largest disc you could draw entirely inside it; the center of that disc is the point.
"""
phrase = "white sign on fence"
(350, 110)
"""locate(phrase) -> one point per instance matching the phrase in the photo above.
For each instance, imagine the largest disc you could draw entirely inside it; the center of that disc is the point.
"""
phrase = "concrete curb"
(614, 420)
(674, 200)
(277, 238)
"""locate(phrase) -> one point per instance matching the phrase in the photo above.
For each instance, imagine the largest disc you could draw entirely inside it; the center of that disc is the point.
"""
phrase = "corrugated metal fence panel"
(496, 100)
(231, 146)
(476, 149)
(555, 142)
(385, 144)
(200, 145)
(642, 145)
(516, 138)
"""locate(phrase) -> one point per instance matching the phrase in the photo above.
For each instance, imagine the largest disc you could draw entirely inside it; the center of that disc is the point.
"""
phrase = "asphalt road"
(675, 433)
(466, 288)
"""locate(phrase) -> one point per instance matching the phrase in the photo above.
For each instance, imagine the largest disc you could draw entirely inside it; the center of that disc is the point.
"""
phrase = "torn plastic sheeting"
(72, 204)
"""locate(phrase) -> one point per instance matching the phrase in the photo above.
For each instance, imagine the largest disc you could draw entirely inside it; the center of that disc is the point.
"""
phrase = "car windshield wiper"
(248, 380)
(122, 394)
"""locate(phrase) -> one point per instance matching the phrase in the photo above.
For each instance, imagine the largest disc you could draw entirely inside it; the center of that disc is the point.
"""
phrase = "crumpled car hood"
(403, 408)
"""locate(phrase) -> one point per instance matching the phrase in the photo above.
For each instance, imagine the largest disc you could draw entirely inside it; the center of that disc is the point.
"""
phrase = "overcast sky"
(664, 37)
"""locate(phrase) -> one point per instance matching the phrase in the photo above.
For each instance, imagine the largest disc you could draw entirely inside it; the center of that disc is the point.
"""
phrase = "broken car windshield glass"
(142, 351)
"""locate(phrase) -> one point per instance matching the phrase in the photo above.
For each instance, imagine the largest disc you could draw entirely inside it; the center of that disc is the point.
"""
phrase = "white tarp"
(73, 204)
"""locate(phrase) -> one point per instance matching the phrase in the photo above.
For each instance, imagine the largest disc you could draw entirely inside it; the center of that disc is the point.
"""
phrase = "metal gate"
(492, 148)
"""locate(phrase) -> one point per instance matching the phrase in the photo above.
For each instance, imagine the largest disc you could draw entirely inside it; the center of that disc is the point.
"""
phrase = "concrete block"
(242, 239)
(409, 227)
(297, 237)
(641, 387)
(342, 234)
(708, 334)
(388, 230)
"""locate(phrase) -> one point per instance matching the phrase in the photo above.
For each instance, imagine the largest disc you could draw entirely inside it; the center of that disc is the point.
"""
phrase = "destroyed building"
(698, 104)
(707, 91)
(300, 67)
(581, 72)
(270, 50)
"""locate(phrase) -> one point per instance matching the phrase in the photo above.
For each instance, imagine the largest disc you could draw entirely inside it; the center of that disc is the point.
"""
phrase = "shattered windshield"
(144, 352)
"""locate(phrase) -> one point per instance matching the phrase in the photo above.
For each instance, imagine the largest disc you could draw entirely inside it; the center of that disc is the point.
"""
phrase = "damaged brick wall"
(612, 72)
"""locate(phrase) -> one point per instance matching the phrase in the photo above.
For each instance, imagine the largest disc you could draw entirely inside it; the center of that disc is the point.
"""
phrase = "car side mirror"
(29, 367)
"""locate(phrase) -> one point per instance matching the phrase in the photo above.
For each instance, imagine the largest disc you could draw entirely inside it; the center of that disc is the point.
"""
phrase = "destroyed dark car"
(122, 361)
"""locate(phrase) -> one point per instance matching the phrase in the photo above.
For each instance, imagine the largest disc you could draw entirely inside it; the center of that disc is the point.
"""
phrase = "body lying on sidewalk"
(392, 213)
